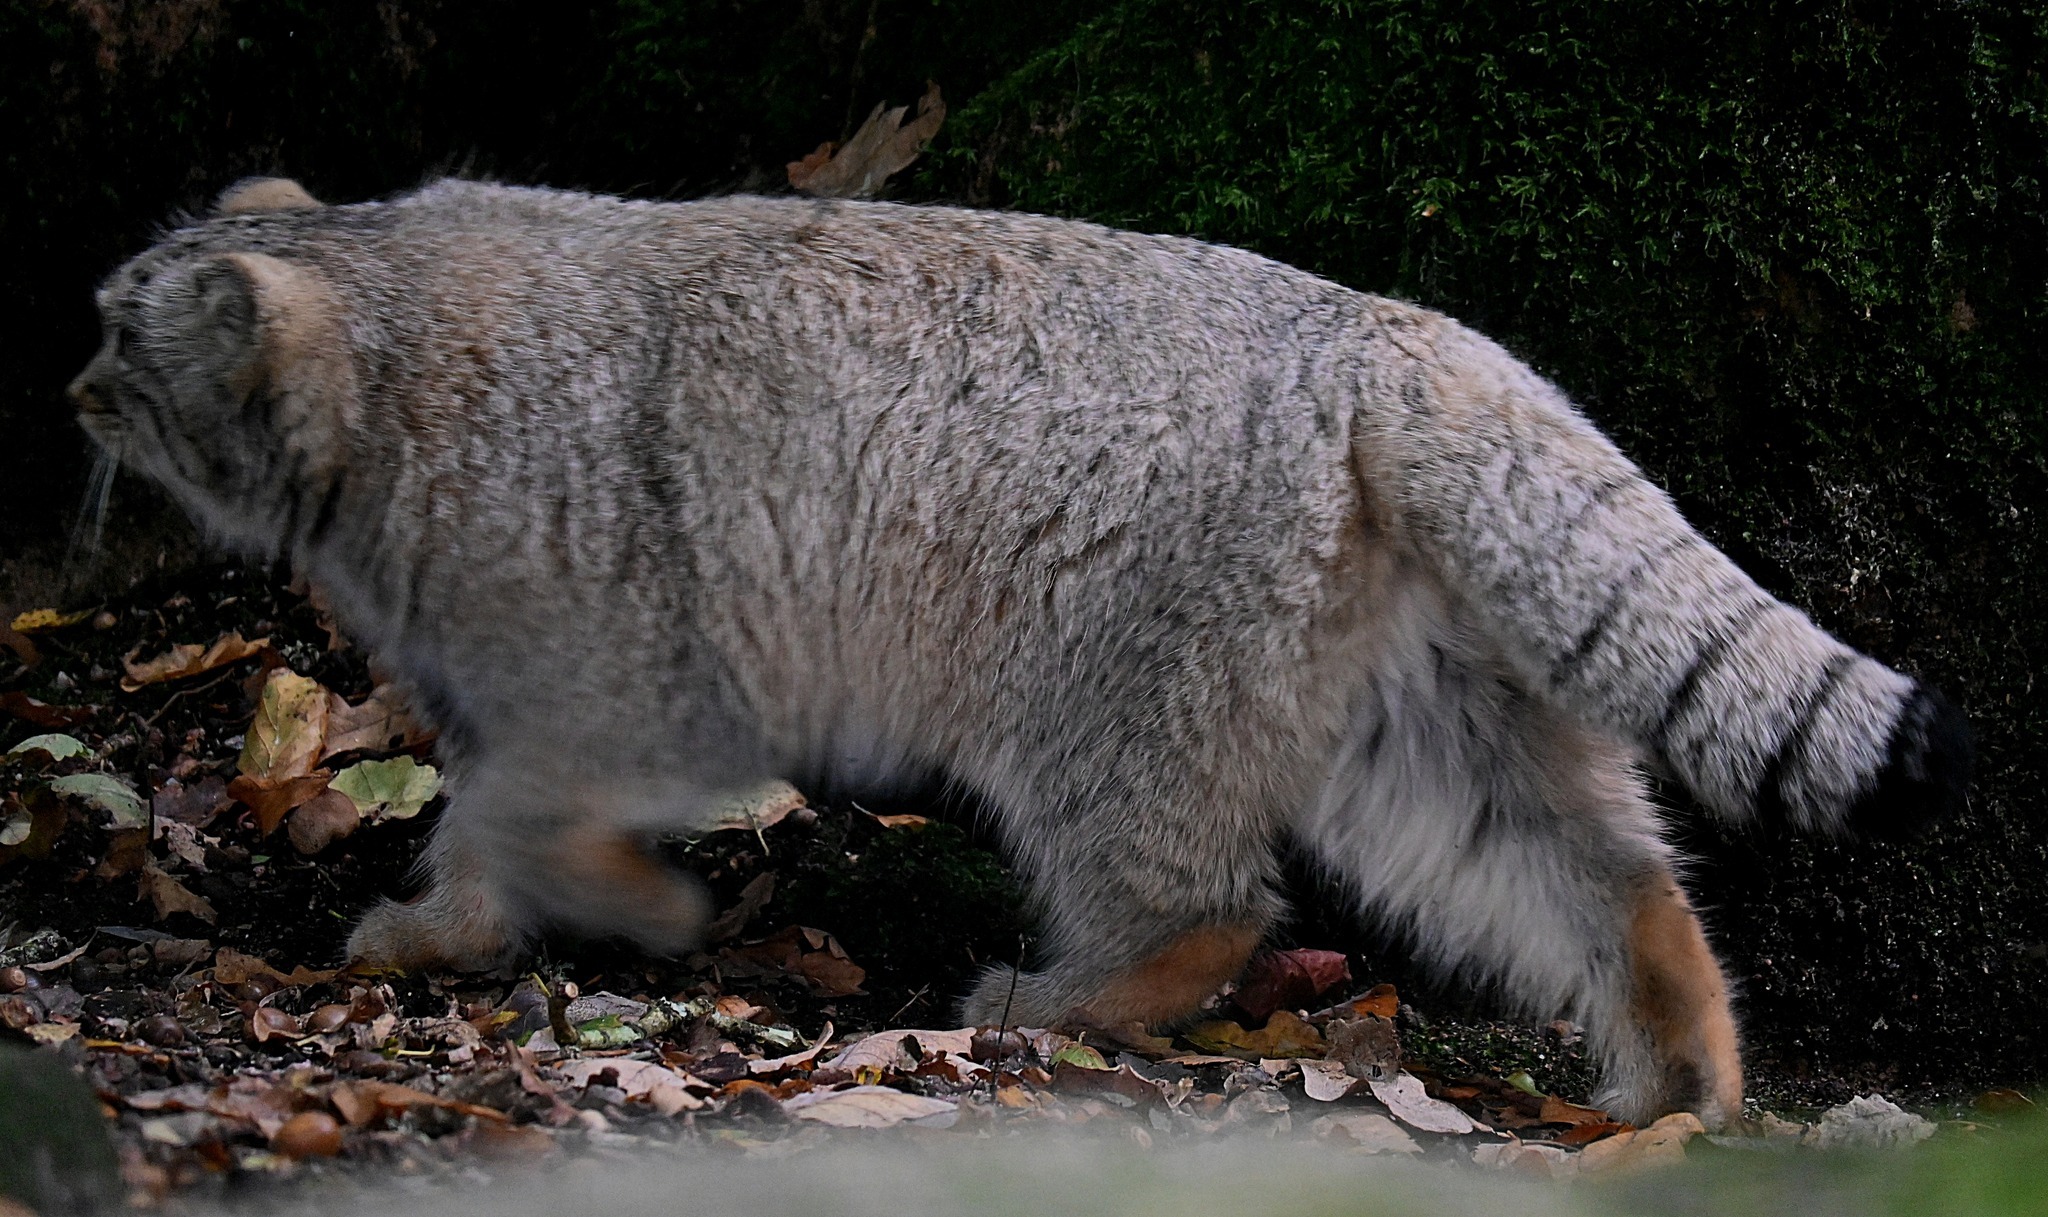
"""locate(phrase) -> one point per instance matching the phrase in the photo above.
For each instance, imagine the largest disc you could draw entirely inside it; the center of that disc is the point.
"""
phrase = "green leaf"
(1080, 1055)
(17, 828)
(59, 747)
(109, 794)
(388, 790)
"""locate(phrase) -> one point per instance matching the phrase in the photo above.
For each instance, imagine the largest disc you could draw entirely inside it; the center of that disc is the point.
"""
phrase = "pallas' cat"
(1166, 550)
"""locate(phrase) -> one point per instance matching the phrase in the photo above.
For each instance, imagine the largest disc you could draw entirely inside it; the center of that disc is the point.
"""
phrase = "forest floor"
(203, 786)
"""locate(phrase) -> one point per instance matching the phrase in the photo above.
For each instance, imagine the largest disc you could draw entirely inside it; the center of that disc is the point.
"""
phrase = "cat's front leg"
(460, 922)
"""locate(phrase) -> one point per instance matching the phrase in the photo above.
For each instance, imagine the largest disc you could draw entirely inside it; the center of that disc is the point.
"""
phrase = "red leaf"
(1289, 980)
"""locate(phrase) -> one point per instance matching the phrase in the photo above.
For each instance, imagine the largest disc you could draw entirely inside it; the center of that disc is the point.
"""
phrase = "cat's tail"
(1611, 604)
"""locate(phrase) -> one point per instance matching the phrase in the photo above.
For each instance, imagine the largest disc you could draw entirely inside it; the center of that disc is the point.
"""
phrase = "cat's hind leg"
(1519, 851)
(1146, 911)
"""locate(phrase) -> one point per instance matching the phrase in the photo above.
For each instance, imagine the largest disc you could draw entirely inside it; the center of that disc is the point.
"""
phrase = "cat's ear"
(254, 194)
(291, 344)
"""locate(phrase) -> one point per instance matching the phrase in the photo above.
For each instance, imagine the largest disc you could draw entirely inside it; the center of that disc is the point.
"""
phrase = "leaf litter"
(243, 817)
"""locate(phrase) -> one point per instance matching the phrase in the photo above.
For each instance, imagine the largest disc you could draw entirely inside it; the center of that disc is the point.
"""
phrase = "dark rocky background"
(1795, 257)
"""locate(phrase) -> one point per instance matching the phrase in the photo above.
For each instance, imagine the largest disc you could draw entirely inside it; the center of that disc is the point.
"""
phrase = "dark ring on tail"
(1926, 772)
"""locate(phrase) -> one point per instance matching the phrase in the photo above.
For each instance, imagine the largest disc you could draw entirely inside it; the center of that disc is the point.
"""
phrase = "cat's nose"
(88, 401)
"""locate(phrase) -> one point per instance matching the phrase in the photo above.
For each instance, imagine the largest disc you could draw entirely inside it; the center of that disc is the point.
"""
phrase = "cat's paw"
(432, 933)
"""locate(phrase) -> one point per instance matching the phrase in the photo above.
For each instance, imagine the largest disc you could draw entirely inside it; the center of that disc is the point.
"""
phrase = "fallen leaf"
(170, 896)
(19, 643)
(322, 820)
(658, 1084)
(43, 714)
(372, 726)
(46, 818)
(1288, 980)
(188, 659)
(1367, 1131)
(1326, 1081)
(182, 842)
(1661, 1144)
(1411, 1104)
(884, 1050)
(883, 145)
(1284, 1035)
(832, 975)
(1366, 1048)
(56, 747)
(795, 1060)
(195, 804)
(49, 1034)
(755, 808)
(273, 800)
(1586, 1134)
(361, 1102)
(1557, 1111)
(900, 821)
(1123, 1082)
(870, 1107)
(283, 741)
(753, 898)
(388, 790)
(232, 967)
(127, 853)
(40, 621)
(109, 794)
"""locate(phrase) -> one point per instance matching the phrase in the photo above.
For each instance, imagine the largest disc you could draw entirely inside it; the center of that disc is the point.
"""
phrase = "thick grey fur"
(1165, 548)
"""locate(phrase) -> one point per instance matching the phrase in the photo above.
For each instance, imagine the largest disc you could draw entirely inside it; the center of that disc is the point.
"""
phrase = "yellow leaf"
(291, 721)
(41, 621)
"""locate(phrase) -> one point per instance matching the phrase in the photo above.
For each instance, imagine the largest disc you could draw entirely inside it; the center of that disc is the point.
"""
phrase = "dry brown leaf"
(1411, 1104)
(361, 1102)
(1366, 1047)
(869, 1107)
(127, 852)
(659, 1085)
(283, 741)
(187, 659)
(753, 898)
(195, 804)
(886, 1051)
(832, 975)
(170, 896)
(322, 820)
(43, 714)
(1557, 1111)
(381, 720)
(232, 967)
(1326, 1081)
(1368, 1131)
(884, 145)
(756, 807)
(273, 800)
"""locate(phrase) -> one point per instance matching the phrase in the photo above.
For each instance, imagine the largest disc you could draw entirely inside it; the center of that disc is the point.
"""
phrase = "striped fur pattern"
(1168, 550)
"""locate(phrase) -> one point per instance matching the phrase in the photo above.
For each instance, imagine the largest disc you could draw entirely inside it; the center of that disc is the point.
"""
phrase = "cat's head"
(226, 377)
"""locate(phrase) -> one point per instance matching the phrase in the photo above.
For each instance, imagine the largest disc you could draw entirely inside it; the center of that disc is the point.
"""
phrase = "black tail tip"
(1926, 772)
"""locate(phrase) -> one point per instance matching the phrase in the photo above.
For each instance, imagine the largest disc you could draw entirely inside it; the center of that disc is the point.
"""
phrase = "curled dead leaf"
(883, 145)
(169, 896)
(272, 800)
(188, 659)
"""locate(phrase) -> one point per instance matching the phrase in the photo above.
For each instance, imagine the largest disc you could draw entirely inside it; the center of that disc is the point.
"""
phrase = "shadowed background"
(1794, 257)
